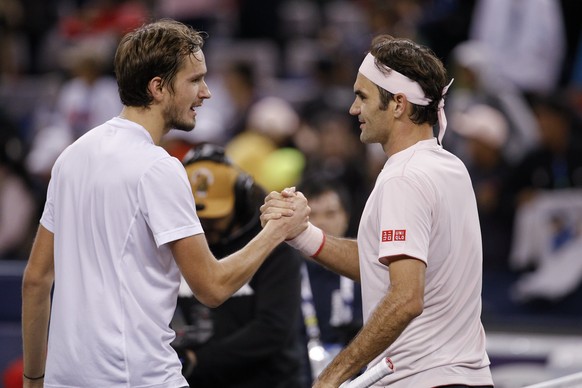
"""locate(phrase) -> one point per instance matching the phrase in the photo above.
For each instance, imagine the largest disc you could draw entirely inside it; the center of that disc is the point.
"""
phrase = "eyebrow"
(359, 93)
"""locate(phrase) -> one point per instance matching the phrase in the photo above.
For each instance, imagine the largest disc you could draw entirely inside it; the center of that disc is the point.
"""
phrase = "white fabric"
(546, 235)
(308, 242)
(393, 81)
(113, 201)
(396, 82)
(526, 40)
(423, 206)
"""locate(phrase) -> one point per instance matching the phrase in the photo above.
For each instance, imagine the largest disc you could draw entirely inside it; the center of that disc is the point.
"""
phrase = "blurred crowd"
(281, 73)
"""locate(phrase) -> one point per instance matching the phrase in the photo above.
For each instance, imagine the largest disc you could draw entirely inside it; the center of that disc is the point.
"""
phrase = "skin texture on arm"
(402, 303)
(213, 281)
(340, 255)
(36, 288)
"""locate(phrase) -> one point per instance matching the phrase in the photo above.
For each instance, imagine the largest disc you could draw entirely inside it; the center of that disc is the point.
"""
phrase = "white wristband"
(310, 241)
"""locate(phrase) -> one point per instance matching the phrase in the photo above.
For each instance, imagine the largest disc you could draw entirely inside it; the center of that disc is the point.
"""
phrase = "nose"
(354, 109)
(205, 91)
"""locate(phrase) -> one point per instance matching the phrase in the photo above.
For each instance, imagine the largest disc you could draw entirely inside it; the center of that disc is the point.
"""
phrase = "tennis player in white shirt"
(120, 225)
(418, 253)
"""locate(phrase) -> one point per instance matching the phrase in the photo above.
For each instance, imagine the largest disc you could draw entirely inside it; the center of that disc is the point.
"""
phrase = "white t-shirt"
(423, 206)
(114, 200)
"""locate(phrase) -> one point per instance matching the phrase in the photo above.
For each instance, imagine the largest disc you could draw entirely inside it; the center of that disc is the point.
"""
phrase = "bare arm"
(213, 281)
(341, 256)
(403, 302)
(36, 288)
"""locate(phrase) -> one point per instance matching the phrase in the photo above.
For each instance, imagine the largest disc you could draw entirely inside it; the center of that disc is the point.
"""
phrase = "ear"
(400, 104)
(156, 88)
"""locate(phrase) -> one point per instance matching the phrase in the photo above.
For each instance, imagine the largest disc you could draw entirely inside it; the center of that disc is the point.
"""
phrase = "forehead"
(325, 200)
(194, 64)
(364, 85)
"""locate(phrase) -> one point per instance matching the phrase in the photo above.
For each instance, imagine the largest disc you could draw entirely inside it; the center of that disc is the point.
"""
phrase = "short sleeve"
(48, 215)
(405, 219)
(166, 200)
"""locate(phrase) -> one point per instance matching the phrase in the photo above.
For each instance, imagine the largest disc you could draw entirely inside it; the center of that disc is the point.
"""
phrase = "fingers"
(268, 217)
(288, 203)
(288, 192)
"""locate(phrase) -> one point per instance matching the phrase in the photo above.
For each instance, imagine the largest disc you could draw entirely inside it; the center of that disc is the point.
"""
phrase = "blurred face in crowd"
(189, 92)
(328, 213)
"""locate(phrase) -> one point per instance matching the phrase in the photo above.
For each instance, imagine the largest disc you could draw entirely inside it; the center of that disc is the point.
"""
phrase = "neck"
(406, 136)
(147, 118)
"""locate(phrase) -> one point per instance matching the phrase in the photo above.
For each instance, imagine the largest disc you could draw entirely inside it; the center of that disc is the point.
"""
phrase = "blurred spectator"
(252, 339)
(557, 162)
(544, 189)
(200, 14)
(548, 238)
(88, 98)
(243, 91)
(485, 130)
(336, 299)
(340, 155)
(11, 13)
(526, 41)
(265, 149)
(445, 24)
(477, 81)
(18, 206)
(397, 18)
(35, 23)
(103, 17)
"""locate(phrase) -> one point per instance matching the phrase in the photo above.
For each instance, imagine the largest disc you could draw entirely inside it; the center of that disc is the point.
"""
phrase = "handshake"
(290, 211)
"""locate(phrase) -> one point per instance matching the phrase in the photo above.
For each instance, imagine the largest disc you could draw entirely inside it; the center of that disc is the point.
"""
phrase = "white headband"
(396, 82)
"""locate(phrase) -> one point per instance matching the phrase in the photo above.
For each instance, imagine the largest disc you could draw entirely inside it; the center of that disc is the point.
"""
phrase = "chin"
(184, 127)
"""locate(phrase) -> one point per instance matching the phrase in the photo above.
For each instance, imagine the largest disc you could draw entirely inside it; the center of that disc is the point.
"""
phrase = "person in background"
(336, 298)
(418, 253)
(119, 227)
(18, 198)
(544, 192)
(253, 339)
(485, 130)
(331, 303)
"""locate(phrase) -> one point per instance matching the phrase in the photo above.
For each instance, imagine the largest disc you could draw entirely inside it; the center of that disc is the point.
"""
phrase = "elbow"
(416, 307)
(212, 298)
(35, 283)
(410, 305)
(211, 301)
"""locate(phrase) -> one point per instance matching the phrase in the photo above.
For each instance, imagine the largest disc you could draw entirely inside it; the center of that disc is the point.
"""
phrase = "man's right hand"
(288, 210)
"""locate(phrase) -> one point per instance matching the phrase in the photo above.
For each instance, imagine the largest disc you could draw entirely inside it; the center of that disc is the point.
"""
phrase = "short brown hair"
(155, 49)
(417, 62)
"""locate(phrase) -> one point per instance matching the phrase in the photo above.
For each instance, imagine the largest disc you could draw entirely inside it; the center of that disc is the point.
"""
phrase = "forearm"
(341, 256)
(37, 283)
(236, 270)
(35, 321)
(389, 319)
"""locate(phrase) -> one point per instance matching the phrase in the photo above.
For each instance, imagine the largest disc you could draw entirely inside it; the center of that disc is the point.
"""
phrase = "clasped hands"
(288, 209)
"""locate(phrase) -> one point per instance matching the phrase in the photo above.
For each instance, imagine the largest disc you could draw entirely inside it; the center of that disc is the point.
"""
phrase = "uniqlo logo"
(400, 235)
(387, 235)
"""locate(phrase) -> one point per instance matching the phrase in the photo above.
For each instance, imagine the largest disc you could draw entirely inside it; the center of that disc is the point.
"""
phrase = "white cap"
(482, 122)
